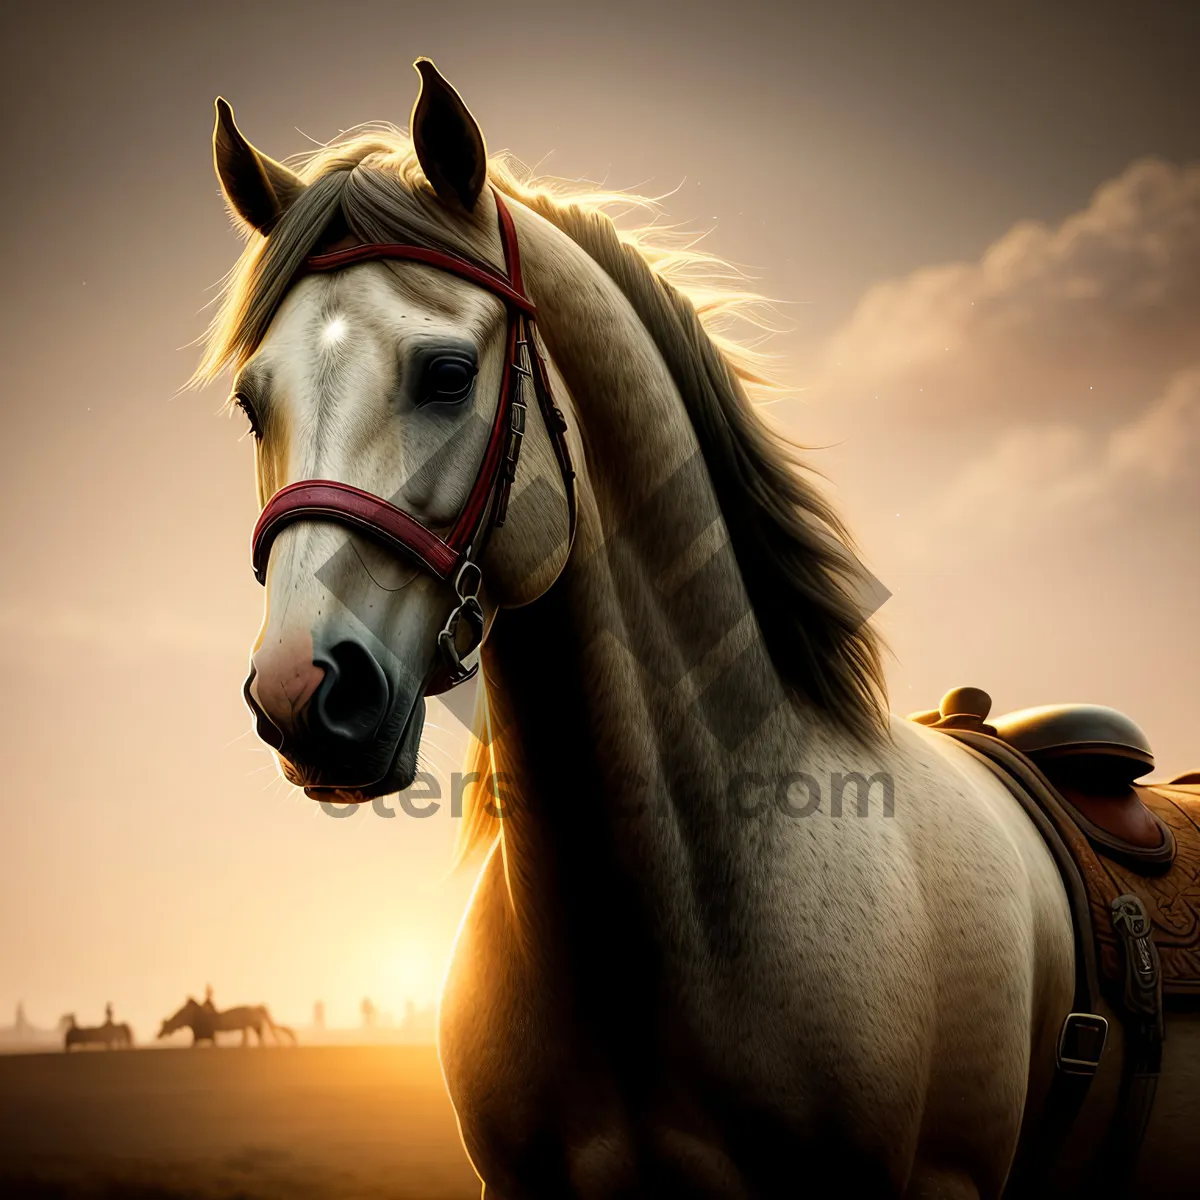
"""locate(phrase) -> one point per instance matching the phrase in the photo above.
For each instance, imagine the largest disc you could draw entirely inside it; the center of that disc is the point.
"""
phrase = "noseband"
(455, 556)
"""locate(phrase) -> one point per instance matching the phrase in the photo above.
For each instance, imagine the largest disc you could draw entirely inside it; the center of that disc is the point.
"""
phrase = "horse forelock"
(368, 185)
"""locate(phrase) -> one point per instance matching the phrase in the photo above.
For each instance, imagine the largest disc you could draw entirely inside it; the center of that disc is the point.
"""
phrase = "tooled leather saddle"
(1129, 855)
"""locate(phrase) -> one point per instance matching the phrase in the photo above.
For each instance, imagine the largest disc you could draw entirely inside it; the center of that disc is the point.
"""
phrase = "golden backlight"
(990, 317)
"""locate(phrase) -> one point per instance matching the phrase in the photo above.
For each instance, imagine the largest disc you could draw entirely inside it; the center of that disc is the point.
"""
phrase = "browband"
(443, 260)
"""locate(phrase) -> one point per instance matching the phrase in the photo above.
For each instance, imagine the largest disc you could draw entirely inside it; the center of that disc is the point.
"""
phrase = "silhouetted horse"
(109, 1035)
(206, 1023)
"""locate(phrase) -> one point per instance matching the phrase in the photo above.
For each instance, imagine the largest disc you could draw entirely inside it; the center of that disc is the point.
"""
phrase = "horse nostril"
(352, 699)
(267, 729)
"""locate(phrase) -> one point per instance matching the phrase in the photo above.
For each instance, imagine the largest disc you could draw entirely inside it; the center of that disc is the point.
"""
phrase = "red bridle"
(455, 556)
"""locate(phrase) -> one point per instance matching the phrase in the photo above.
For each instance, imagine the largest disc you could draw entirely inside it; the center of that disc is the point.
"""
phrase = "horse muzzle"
(348, 727)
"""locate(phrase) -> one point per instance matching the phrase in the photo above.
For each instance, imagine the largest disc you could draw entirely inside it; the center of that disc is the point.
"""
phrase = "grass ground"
(348, 1122)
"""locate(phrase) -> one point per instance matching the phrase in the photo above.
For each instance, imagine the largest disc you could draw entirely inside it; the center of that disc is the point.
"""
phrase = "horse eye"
(243, 402)
(448, 379)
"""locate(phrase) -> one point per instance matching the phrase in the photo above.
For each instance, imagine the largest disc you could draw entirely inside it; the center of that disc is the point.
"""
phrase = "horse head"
(383, 376)
(179, 1019)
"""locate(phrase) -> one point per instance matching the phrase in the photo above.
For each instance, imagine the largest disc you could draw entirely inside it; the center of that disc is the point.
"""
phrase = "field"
(349, 1122)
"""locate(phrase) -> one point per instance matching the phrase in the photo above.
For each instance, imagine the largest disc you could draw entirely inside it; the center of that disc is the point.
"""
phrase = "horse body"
(692, 994)
(205, 1023)
(681, 972)
(111, 1035)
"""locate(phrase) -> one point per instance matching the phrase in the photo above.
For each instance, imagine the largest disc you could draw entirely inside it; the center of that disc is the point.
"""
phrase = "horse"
(205, 1023)
(495, 436)
(110, 1035)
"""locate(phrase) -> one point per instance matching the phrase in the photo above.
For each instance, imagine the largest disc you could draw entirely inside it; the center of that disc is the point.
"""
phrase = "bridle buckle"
(461, 666)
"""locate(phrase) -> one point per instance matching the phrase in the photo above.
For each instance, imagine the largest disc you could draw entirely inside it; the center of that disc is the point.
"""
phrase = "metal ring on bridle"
(461, 666)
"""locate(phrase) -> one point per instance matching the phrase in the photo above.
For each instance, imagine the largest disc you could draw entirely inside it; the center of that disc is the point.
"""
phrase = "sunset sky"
(983, 227)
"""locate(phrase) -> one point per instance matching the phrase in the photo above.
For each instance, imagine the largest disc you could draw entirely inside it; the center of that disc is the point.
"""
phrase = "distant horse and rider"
(110, 1035)
(206, 1021)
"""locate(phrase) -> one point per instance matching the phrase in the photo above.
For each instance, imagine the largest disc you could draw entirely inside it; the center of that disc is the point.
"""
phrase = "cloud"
(1165, 442)
(1048, 385)
(1015, 442)
(1056, 472)
(1089, 316)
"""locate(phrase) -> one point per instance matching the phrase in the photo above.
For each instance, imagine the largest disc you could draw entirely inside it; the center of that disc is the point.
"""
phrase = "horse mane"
(802, 577)
(796, 557)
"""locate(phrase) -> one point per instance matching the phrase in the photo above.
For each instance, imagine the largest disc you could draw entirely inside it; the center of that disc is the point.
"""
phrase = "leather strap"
(556, 427)
(509, 290)
(1031, 1174)
(330, 500)
(1140, 1007)
(1142, 1016)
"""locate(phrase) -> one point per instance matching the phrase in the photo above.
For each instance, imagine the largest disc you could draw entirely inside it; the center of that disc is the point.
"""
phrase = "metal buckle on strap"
(461, 666)
(516, 433)
(521, 366)
(1081, 1043)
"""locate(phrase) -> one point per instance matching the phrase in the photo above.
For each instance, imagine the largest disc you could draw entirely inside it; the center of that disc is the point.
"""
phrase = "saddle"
(1129, 855)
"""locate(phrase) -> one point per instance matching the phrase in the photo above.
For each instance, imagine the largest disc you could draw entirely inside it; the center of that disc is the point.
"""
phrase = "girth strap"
(1084, 1032)
(1082, 1037)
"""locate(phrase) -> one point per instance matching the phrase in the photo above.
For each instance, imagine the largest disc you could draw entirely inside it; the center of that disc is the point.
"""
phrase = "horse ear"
(447, 139)
(258, 189)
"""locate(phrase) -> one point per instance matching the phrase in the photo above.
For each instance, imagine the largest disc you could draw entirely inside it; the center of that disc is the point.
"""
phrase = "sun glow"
(335, 331)
(394, 970)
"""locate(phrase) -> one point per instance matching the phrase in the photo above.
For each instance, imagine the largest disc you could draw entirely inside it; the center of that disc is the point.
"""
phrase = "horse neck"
(626, 702)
